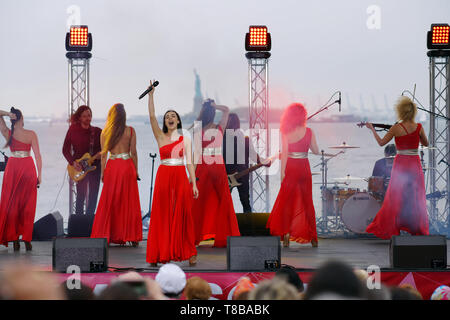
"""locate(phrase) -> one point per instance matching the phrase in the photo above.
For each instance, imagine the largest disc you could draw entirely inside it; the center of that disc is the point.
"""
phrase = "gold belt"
(124, 156)
(212, 151)
(20, 154)
(408, 152)
(298, 155)
(172, 162)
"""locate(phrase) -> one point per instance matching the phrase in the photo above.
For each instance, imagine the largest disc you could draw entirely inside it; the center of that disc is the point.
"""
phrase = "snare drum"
(359, 210)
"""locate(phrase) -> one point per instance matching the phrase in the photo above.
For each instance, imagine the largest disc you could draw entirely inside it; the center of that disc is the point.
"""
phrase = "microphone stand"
(153, 156)
(423, 109)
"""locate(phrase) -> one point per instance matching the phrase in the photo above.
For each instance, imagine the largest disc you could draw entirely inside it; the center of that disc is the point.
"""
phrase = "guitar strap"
(91, 142)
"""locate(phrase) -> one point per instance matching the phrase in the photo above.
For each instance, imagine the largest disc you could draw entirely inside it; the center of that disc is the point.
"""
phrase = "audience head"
(197, 289)
(83, 293)
(441, 293)
(337, 278)
(243, 288)
(274, 289)
(171, 279)
(291, 276)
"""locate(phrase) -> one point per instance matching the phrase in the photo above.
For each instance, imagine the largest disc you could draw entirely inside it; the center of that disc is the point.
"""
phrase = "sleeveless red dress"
(213, 210)
(404, 206)
(19, 195)
(171, 234)
(118, 216)
(293, 211)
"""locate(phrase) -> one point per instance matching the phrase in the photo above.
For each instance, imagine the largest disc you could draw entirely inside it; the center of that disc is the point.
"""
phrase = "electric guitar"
(233, 177)
(85, 162)
(376, 125)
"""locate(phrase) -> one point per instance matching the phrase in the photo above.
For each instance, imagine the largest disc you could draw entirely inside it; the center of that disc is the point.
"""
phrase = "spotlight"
(258, 39)
(438, 37)
(78, 39)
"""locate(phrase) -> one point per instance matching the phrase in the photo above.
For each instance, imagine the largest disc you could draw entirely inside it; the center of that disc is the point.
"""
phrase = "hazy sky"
(318, 47)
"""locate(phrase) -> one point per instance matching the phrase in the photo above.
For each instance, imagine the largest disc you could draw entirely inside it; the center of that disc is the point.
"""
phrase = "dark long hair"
(18, 114)
(179, 126)
(75, 117)
(114, 127)
(233, 121)
(207, 114)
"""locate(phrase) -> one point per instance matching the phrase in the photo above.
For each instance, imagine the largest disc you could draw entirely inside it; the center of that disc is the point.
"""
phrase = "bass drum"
(359, 210)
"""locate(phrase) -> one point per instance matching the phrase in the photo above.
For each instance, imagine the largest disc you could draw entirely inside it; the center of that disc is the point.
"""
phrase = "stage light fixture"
(258, 39)
(438, 37)
(78, 39)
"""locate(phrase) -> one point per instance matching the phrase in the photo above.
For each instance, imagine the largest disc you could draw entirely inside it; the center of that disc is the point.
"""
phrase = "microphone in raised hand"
(154, 84)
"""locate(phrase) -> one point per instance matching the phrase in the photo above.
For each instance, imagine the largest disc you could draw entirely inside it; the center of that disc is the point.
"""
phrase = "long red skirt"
(18, 200)
(293, 211)
(171, 235)
(118, 216)
(404, 206)
(213, 210)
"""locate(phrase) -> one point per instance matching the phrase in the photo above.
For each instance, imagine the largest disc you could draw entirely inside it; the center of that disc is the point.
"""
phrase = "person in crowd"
(85, 292)
(82, 138)
(274, 289)
(291, 276)
(20, 182)
(213, 211)
(172, 280)
(171, 234)
(197, 289)
(118, 216)
(243, 288)
(404, 206)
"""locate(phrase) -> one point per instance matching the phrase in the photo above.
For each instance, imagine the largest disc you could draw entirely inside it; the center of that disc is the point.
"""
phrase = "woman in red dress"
(118, 215)
(293, 216)
(171, 232)
(213, 210)
(20, 182)
(404, 206)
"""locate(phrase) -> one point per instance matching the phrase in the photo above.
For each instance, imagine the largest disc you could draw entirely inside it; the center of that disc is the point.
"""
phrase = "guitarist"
(238, 159)
(80, 139)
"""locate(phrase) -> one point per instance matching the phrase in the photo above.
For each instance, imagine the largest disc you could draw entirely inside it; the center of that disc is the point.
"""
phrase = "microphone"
(339, 101)
(155, 84)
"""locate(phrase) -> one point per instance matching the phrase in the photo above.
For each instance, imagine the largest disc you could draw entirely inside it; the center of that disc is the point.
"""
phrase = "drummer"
(383, 166)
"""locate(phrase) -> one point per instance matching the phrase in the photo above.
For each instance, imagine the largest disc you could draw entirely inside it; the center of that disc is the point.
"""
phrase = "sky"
(371, 50)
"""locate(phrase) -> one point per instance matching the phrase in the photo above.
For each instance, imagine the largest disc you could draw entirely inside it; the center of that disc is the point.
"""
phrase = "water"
(53, 195)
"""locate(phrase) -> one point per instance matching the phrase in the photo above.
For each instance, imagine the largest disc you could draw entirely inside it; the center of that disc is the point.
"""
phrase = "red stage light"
(258, 39)
(78, 39)
(438, 37)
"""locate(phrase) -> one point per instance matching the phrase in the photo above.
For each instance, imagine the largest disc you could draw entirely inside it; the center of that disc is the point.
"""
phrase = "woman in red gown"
(118, 215)
(171, 232)
(20, 182)
(293, 216)
(213, 210)
(404, 206)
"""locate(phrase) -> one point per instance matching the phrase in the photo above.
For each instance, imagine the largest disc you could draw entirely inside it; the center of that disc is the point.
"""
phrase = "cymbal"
(315, 173)
(343, 146)
(349, 178)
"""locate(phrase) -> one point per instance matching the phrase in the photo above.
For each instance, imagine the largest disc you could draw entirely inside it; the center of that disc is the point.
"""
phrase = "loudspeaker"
(80, 225)
(89, 254)
(253, 253)
(48, 227)
(412, 252)
(253, 224)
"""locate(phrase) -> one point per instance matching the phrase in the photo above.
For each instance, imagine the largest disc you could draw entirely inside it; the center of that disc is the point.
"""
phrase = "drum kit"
(349, 209)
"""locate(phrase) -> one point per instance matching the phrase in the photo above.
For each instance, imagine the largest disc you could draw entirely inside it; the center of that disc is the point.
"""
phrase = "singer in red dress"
(118, 215)
(293, 216)
(171, 234)
(404, 206)
(20, 182)
(213, 210)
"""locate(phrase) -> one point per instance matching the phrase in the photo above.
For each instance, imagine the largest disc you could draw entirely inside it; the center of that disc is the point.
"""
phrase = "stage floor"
(360, 253)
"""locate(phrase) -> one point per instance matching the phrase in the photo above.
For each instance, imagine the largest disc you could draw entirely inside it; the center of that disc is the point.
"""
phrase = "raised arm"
(225, 113)
(157, 132)
(388, 136)
(315, 148)
(37, 154)
(3, 127)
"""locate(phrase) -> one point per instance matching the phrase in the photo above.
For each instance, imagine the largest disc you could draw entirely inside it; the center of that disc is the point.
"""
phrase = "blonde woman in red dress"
(171, 235)
(213, 210)
(118, 216)
(404, 206)
(293, 216)
(20, 182)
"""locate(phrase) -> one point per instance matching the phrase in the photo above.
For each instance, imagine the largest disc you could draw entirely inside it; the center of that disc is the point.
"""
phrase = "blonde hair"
(406, 109)
(114, 127)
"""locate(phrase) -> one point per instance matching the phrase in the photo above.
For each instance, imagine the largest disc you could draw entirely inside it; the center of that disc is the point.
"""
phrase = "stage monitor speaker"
(48, 227)
(89, 254)
(253, 224)
(80, 225)
(418, 252)
(253, 253)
